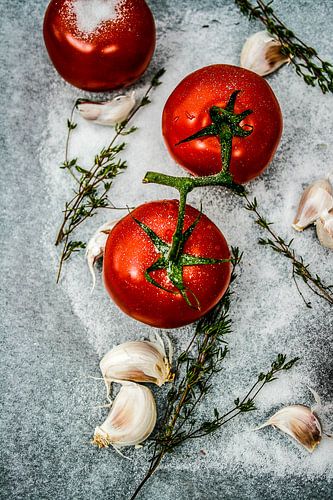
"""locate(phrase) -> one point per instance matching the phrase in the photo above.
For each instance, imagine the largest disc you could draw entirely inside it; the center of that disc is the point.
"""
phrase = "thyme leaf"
(305, 59)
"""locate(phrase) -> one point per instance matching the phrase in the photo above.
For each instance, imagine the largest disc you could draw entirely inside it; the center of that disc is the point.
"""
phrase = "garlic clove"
(299, 422)
(108, 112)
(136, 361)
(261, 53)
(131, 420)
(324, 227)
(316, 198)
(96, 245)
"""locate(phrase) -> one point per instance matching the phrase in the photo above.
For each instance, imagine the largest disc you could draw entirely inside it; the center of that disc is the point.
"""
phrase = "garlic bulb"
(96, 245)
(324, 226)
(131, 420)
(109, 112)
(299, 422)
(314, 201)
(261, 53)
(137, 361)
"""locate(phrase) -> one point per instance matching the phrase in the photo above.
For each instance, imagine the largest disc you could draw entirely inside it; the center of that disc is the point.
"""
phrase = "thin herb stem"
(62, 258)
(153, 467)
(70, 128)
(183, 386)
(87, 186)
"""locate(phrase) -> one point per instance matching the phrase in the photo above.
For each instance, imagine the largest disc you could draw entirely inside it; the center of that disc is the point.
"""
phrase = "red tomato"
(187, 111)
(95, 53)
(129, 252)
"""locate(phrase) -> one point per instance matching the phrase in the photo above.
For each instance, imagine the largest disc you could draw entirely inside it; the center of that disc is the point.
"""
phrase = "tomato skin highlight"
(187, 111)
(129, 252)
(109, 58)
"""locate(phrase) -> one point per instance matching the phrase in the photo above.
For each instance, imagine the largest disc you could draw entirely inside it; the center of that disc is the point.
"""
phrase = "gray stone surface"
(52, 336)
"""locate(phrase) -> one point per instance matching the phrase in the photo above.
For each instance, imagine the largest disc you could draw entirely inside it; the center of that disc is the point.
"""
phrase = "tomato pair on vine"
(165, 264)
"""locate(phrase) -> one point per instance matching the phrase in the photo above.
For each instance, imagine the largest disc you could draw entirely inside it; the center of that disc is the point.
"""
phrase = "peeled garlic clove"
(131, 420)
(96, 245)
(261, 53)
(137, 361)
(324, 227)
(109, 112)
(314, 201)
(299, 422)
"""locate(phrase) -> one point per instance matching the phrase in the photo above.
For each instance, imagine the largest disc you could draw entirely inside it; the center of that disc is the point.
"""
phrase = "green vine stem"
(225, 125)
(306, 61)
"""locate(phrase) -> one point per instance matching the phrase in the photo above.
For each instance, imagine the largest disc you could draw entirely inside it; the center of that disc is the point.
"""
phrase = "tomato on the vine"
(99, 45)
(129, 252)
(187, 111)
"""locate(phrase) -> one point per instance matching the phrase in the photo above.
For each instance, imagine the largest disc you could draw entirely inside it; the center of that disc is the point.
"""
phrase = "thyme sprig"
(299, 268)
(92, 185)
(305, 59)
(194, 372)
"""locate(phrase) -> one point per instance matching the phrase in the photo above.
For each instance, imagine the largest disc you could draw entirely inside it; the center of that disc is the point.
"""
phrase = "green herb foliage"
(194, 373)
(306, 61)
(92, 184)
(299, 268)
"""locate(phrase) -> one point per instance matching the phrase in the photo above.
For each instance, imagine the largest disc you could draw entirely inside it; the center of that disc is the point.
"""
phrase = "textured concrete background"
(47, 400)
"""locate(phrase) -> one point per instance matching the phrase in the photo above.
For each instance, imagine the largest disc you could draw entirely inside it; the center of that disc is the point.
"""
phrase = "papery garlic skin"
(261, 53)
(299, 422)
(136, 361)
(109, 112)
(96, 245)
(316, 199)
(131, 420)
(324, 227)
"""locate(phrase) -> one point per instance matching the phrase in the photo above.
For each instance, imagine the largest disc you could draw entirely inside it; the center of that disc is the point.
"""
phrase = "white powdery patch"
(91, 13)
(268, 314)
